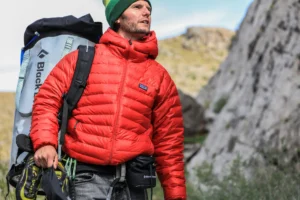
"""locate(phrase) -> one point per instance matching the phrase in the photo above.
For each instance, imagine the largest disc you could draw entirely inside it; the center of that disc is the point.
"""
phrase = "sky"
(169, 18)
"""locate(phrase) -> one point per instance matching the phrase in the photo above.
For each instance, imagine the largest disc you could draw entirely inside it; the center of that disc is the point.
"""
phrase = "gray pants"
(91, 186)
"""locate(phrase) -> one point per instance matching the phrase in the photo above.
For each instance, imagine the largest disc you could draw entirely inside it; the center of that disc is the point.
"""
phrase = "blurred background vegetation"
(192, 59)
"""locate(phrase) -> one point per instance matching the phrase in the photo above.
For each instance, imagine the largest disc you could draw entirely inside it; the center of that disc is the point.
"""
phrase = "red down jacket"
(129, 107)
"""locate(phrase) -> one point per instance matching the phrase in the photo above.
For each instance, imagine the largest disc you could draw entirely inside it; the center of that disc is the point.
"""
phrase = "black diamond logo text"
(42, 53)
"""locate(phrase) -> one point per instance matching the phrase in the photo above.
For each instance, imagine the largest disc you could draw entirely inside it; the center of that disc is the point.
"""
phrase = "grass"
(266, 183)
(3, 187)
(196, 139)
(7, 107)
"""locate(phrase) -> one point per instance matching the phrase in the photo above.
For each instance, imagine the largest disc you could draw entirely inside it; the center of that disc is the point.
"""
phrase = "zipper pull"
(130, 42)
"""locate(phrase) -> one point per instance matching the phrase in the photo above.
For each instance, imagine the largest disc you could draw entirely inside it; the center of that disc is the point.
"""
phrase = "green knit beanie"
(115, 8)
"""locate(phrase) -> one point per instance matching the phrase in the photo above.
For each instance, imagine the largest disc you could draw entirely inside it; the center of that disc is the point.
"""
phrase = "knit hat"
(115, 8)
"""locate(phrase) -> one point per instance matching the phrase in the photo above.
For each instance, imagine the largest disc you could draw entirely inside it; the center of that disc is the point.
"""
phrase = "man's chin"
(143, 30)
(142, 33)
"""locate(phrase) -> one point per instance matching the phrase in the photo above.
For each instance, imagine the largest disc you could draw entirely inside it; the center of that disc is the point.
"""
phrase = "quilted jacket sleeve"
(168, 140)
(47, 102)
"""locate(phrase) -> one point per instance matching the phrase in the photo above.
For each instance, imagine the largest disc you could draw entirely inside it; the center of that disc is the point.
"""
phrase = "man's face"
(136, 19)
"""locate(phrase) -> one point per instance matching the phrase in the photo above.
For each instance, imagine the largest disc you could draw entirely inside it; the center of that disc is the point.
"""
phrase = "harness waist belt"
(99, 169)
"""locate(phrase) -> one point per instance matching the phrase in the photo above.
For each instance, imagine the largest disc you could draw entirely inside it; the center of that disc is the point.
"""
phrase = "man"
(130, 107)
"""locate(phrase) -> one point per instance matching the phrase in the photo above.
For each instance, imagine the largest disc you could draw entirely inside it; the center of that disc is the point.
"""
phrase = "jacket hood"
(135, 51)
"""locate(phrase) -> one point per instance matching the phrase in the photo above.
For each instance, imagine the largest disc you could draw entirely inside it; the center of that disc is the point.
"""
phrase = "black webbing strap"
(70, 100)
(64, 125)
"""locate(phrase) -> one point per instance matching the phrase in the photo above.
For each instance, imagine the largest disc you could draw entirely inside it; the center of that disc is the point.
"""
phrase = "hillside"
(193, 58)
(7, 107)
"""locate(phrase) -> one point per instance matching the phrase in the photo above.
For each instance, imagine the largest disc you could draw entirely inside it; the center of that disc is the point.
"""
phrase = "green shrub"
(266, 183)
(220, 104)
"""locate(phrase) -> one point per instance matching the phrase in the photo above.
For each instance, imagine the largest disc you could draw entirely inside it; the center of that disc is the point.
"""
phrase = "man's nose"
(146, 11)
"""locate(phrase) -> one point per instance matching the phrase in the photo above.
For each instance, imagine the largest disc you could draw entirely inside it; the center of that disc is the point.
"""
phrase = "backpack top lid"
(83, 26)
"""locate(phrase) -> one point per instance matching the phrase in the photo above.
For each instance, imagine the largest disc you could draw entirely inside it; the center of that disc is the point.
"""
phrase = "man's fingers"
(38, 159)
(46, 157)
(55, 162)
(35, 158)
(49, 161)
(43, 162)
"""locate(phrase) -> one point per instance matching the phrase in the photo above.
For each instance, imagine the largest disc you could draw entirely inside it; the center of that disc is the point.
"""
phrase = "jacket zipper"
(117, 117)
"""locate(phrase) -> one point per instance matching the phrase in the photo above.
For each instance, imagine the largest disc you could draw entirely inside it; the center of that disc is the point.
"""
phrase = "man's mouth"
(145, 22)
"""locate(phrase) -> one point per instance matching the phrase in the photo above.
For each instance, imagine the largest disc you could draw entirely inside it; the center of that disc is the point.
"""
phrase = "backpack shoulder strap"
(70, 100)
(82, 71)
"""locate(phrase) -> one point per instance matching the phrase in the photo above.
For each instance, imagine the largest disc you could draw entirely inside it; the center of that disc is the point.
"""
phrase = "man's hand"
(46, 157)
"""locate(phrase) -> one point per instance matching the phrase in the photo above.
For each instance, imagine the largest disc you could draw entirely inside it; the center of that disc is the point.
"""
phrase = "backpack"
(46, 41)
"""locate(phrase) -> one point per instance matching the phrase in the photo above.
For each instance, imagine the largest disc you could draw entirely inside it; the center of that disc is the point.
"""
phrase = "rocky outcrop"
(254, 98)
(193, 115)
(214, 39)
(194, 124)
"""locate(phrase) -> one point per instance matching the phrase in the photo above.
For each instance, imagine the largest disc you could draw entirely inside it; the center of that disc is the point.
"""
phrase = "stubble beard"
(132, 28)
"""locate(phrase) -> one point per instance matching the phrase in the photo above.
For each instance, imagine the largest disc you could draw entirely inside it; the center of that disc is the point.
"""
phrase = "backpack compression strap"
(70, 100)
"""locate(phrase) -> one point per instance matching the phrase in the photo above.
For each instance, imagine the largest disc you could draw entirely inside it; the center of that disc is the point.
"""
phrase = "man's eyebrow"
(138, 3)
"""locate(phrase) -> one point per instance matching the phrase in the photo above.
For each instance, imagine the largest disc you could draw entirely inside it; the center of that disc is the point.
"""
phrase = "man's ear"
(116, 25)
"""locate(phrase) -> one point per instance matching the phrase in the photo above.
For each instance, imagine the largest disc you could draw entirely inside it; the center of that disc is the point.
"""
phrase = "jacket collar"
(135, 51)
